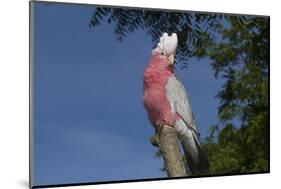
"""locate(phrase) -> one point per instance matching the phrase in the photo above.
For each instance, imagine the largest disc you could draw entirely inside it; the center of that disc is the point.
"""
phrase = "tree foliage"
(238, 47)
(242, 59)
(192, 28)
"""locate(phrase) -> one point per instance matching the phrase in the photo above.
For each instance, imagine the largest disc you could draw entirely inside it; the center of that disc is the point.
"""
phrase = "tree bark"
(167, 141)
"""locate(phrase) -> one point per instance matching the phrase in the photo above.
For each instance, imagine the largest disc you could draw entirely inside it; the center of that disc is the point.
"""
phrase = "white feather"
(167, 43)
(178, 100)
(185, 126)
(186, 136)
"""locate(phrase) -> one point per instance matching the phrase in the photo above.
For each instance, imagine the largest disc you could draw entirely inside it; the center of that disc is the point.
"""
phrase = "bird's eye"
(162, 53)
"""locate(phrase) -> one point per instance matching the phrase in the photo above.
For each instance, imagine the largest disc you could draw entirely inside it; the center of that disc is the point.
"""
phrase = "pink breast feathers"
(155, 99)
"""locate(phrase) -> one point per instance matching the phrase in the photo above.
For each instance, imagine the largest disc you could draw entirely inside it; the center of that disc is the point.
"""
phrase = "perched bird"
(167, 103)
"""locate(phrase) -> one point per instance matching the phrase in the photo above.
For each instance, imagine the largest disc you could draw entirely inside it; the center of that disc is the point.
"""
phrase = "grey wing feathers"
(179, 102)
(187, 131)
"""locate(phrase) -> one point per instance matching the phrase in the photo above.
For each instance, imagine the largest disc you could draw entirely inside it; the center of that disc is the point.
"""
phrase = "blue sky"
(90, 124)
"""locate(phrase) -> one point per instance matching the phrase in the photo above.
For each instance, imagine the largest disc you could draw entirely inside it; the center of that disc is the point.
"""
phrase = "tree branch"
(167, 141)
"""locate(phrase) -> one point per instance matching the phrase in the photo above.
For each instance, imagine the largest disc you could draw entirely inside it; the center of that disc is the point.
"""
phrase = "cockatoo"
(167, 103)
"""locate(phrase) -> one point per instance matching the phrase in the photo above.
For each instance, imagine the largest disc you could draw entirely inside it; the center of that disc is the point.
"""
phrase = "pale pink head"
(163, 55)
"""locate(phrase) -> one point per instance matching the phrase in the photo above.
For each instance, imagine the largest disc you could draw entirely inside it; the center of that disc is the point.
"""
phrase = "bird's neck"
(153, 70)
(155, 76)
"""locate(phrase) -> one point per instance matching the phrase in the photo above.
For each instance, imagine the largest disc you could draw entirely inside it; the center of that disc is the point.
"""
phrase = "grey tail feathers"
(196, 159)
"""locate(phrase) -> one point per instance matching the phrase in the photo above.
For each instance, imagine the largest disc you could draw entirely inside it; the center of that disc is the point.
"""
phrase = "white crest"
(167, 43)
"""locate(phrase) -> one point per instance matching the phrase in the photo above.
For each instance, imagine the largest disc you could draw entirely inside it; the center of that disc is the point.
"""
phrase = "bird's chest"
(156, 102)
(155, 98)
(154, 93)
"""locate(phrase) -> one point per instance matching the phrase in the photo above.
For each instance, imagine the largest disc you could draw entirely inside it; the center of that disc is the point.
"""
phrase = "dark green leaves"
(193, 29)
(241, 59)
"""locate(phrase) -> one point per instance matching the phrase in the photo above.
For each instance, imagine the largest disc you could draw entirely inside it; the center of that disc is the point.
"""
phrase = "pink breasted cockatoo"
(167, 103)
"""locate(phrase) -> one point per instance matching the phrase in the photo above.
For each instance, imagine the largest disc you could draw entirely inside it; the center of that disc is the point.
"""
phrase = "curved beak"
(171, 59)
